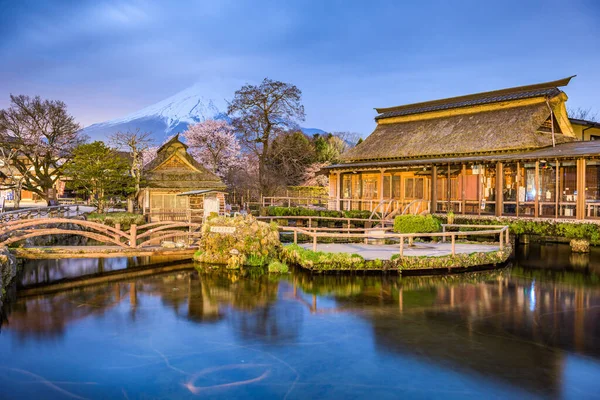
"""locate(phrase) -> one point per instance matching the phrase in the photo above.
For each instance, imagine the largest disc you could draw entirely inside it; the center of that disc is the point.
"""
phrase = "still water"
(82, 329)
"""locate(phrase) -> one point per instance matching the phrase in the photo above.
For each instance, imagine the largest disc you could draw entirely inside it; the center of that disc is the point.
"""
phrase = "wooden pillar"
(448, 191)
(580, 211)
(463, 188)
(339, 194)
(133, 236)
(556, 188)
(537, 189)
(433, 189)
(381, 184)
(499, 189)
(518, 179)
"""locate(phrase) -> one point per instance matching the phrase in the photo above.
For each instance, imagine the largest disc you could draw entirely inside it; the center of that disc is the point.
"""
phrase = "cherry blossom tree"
(213, 144)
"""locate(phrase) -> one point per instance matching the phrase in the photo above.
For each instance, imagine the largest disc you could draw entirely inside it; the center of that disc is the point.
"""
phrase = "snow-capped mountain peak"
(167, 117)
(186, 106)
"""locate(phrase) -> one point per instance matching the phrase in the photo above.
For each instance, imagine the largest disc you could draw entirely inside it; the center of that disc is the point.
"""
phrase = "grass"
(278, 267)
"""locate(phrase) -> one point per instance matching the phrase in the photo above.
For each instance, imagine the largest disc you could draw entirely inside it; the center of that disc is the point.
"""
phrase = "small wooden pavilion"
(174, 172)
(510, 152)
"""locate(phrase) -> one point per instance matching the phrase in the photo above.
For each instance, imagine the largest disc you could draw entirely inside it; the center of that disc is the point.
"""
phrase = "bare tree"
(260, 113)
(44, 136)
(12, 179)
(585, 114)
(137, 144)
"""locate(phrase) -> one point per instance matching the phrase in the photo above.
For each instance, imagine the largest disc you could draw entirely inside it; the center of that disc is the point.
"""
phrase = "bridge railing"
(67, 211)
(136, 237)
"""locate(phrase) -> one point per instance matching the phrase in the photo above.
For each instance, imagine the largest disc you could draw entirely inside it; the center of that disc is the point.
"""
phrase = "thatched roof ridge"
(546, 89)
(511, 128)
(175, 168)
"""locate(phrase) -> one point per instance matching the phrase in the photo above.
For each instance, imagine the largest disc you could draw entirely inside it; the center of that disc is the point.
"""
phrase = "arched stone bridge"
(135, 238)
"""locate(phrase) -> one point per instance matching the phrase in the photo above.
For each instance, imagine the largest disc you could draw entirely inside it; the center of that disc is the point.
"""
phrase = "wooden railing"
(290, 201)
(383, 233)
(368, 223)
(136, 237)
(68, 211)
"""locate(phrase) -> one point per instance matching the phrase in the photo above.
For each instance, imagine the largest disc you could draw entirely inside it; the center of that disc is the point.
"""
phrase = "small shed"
(173, 172)
(204, 202)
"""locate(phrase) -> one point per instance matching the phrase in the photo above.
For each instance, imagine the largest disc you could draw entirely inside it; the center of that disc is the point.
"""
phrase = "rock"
(580, 246)
(8, 270)
(168, 244)
(251, 242)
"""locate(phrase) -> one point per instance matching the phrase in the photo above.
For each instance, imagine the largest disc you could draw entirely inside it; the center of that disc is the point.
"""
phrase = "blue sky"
(106, 59)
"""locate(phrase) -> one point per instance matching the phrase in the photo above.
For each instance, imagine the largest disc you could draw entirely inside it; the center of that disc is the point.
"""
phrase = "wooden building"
(585, 130)
(177, 185)
(510, 152)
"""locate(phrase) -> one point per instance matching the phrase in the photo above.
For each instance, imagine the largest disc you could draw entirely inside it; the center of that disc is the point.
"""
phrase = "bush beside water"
(309, 212)
(416, 224)
(547, 228)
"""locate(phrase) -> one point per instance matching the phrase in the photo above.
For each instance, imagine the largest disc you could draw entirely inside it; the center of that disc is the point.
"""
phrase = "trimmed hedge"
(416, 224)
(308, 212)
(548, 228)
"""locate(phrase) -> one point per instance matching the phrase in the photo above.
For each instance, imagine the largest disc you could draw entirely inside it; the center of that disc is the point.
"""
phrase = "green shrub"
(546, 228)
(319, 260)
(416, 224)
(309, 212)
(123, 218)
(256, 260)
(278, 267)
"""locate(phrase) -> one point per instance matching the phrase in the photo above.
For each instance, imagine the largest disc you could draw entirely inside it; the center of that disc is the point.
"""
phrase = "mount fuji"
(169, 116)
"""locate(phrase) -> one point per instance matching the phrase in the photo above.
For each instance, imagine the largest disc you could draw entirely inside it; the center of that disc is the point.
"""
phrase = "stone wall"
(8, 270)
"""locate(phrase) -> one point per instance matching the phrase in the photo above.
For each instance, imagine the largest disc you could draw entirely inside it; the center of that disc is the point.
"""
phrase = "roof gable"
(174, 167)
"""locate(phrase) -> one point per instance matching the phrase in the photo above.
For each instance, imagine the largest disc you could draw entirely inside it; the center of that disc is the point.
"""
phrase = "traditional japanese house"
(178, 187)
(510, 152)
(585, 130)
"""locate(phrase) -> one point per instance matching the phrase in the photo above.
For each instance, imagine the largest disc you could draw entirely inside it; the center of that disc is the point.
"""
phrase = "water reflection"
(35, 272)
(521, 331)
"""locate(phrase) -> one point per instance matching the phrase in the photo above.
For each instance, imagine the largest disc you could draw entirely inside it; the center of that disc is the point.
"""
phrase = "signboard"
(222, 229)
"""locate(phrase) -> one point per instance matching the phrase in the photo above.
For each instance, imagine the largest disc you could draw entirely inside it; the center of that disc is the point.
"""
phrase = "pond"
(107, 329)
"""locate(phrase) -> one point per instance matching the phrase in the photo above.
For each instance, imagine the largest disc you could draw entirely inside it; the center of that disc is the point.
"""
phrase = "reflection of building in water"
(35, 272)
(502, 325)
(197, 297)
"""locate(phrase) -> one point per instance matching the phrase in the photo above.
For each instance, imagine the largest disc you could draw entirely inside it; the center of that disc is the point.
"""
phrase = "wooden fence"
(384, 233)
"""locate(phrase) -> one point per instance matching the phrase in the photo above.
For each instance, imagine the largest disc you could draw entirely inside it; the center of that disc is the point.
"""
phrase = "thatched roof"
(502, 124)
(175, 168)
(546, 89)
